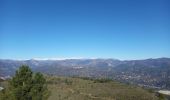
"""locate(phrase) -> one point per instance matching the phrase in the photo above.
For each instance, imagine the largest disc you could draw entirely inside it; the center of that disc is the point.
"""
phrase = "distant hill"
(153, 73)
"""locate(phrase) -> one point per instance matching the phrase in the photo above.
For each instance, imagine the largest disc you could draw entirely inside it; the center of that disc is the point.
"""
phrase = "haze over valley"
(152, 73)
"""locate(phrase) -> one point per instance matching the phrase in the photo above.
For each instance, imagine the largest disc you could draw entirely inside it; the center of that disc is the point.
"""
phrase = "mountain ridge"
(149, 72)
(59, 59)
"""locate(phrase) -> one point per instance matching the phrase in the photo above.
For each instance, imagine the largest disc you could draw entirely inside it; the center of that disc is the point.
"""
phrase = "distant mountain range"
(153, 73)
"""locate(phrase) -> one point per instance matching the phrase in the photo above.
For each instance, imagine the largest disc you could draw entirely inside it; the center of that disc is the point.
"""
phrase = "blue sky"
(121, 29)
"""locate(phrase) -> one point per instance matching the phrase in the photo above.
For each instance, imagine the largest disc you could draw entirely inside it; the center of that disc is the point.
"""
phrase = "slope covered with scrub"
(64, 88)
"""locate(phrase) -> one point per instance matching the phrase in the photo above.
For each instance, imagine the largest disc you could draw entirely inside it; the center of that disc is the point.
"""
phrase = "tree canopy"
(26, 86)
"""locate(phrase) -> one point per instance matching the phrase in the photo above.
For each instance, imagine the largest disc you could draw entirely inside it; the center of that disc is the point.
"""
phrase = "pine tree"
(21, 83)
(27, 86)
(38, 88)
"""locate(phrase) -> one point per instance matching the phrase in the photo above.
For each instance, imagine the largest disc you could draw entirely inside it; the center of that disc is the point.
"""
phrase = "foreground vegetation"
(64, 88)
(25, 86)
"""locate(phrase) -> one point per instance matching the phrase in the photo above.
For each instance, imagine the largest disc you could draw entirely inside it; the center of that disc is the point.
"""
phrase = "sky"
(120, 29)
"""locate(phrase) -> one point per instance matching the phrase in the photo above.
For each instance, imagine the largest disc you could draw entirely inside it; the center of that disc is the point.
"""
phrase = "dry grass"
(63, 88)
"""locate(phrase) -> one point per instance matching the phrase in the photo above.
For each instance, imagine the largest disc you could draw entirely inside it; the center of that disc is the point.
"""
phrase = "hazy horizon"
(77, 58)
